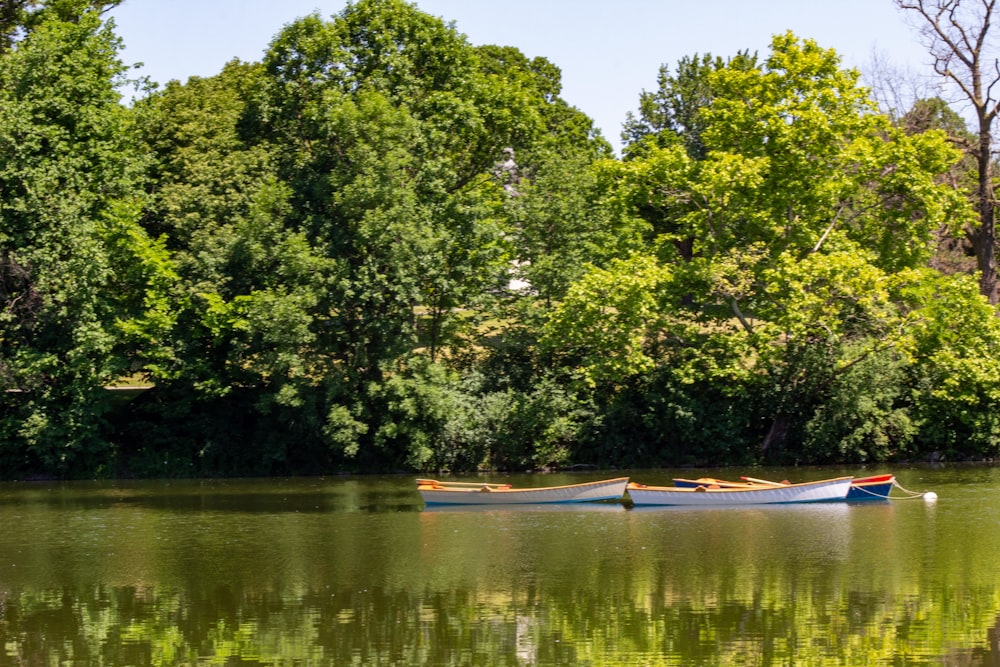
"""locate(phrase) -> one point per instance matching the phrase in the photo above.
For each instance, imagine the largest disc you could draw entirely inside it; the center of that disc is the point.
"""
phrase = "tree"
(246, 292)
(893, 88)
(674, 109)
(560, 225)
(19, 17)
(955, 252)
(67, 219)
(385, 126)
(334, 211)
(954, 377)
(782, 240)
(211, 199)
(957, 35)
(552, 197)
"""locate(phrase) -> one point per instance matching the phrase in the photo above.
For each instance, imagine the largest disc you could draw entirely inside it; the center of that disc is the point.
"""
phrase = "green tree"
(19, 17)
(387, 127)
(66, 177)
(955, 246)
(248, 287)
(674, 110)
(551, 180)
(608, 318)
(334, 209)
(954, 374)
(782, 240)
(215, 203)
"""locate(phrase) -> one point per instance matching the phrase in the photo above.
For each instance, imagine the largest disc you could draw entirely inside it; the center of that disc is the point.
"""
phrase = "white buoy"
(930, 497)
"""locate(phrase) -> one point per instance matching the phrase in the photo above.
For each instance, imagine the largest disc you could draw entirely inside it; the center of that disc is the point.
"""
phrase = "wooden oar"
(478, 485)
(763, 481)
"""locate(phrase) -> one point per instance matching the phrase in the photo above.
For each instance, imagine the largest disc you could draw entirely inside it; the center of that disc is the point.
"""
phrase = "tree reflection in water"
(315, 573)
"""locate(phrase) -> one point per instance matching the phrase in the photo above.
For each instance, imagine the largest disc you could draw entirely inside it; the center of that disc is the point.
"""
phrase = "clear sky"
(609, 51)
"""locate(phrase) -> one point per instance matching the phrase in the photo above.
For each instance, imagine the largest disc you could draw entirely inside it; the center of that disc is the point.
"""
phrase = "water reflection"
(357, 571)
(528, 508)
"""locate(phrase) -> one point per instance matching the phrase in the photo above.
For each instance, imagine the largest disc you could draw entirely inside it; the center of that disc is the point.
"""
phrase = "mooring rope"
(872, 493)
(912, 495)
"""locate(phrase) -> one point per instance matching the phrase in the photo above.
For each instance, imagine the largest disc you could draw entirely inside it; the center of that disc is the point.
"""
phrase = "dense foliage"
(383, 248)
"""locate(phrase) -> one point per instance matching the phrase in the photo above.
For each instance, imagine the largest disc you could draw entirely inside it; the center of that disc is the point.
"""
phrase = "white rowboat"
(713, 495)
(876, 487)
(472, 493)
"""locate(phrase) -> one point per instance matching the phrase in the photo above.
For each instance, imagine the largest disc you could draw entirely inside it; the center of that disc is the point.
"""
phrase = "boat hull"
(872, 488)
(876, 487)
(608, 489)
(829, 490)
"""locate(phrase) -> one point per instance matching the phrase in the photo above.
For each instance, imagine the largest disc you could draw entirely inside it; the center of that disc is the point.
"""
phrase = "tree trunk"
(984, 238)
(776, 435)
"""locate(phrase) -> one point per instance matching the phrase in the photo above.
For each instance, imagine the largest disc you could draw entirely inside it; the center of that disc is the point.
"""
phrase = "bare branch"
(955, 33)
(894, 89)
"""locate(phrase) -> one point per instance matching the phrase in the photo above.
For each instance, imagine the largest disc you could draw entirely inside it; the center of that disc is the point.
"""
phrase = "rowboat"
(876, 487)
(826, 490)
(477, 493)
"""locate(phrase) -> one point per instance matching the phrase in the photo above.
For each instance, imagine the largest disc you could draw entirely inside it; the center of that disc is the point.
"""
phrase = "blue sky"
(609, 51)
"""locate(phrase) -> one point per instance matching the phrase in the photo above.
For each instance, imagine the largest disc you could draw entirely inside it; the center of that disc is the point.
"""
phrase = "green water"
(355, 571)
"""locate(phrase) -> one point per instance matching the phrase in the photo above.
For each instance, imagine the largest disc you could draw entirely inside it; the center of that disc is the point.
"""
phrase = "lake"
(356, 571)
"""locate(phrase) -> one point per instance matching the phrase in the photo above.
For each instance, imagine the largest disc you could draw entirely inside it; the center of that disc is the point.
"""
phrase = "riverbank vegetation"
(382, 248)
